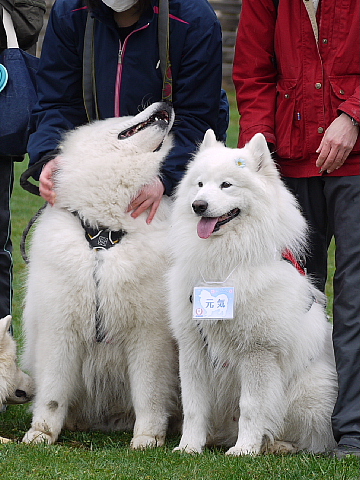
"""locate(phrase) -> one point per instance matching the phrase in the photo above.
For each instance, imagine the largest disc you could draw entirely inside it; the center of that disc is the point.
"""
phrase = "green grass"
(95, 455)
(115, 461)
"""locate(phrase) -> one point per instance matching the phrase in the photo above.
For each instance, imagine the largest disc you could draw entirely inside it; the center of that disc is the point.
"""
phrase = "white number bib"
(213, 303)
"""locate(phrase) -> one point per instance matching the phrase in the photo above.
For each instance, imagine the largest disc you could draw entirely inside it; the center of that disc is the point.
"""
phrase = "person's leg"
(310, 195)
(6, 185)
(343, 195)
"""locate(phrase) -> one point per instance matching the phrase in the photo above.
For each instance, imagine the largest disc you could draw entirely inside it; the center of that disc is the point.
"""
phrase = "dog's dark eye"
(225, 185)
(200, 184)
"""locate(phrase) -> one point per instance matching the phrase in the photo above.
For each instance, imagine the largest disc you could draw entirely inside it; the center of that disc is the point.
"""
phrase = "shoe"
(342, 451)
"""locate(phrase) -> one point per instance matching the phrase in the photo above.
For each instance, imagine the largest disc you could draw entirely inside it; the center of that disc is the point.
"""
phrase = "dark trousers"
(331, 206)
(6, 186)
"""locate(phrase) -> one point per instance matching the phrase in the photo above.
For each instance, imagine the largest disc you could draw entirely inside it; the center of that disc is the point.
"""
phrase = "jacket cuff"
(168, 184)
(350, 113)
(43, 161)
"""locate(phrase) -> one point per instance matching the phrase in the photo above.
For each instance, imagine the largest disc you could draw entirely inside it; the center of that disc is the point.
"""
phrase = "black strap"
(24, 179)
(26, 232)
(89, 82)
(163, 38)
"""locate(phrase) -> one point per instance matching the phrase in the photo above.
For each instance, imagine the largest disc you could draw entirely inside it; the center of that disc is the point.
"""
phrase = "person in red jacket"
(297, 80)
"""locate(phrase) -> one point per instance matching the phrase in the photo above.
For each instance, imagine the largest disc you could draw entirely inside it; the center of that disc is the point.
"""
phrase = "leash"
(34, 189)
(26, 231)
(24, 179)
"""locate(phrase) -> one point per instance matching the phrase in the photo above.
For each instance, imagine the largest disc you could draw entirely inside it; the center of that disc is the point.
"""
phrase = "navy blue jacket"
(128, 77)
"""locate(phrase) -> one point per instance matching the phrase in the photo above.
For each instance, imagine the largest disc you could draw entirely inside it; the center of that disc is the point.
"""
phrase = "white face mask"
(120, 5)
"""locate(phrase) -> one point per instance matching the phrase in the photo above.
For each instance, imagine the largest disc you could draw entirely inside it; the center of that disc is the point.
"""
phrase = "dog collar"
(290, 257)
(100, 238)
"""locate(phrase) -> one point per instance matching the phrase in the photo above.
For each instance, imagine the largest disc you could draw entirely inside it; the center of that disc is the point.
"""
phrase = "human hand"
(46, 186)
(336, 144)
(149, 197)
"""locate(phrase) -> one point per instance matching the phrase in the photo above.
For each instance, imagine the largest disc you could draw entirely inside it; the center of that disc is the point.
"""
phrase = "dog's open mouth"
(161, 117)
(209, 225)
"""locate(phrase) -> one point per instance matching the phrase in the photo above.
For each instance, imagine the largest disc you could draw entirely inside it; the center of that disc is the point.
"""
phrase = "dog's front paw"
(281, 448)
(237, 451)
(5, 440)
(188, 449)
(141, 442)
(36, 436)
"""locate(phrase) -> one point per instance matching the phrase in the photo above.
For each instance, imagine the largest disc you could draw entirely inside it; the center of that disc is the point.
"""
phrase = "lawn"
(107, 456)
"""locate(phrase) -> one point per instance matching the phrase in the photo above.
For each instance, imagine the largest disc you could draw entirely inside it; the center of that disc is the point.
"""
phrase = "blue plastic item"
(3, 77)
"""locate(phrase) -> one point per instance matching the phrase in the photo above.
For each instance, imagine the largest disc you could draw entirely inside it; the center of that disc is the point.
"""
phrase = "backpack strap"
(12, 41)
(89, 82)
(163, 39)
(27, 17)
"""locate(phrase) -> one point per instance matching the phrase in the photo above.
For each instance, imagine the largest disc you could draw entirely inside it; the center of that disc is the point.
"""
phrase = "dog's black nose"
(20, 393)
(199, 206)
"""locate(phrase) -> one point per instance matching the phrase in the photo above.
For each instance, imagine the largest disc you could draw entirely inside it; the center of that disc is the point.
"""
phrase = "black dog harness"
(103, 238)
(99, 239)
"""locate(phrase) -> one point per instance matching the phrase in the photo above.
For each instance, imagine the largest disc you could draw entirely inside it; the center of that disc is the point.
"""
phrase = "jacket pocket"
(342, 88)
(289, 121)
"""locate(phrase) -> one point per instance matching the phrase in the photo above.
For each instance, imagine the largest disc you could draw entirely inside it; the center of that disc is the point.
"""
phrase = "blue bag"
(17, 99)
(17, 92)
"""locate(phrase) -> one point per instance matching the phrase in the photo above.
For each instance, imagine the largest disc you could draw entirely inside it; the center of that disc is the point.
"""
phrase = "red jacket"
(289, 87)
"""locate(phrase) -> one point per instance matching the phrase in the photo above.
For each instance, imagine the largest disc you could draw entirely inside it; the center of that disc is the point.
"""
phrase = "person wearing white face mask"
(127, 73)
(120, 6)
(127, 12)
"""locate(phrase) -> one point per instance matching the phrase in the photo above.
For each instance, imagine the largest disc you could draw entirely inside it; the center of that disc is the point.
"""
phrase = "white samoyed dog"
(16, 387)
(256, 362)
(98, 341)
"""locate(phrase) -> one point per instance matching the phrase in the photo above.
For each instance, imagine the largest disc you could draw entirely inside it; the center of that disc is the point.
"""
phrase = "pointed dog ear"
(4, 325)
(208, 141)
(260, 151)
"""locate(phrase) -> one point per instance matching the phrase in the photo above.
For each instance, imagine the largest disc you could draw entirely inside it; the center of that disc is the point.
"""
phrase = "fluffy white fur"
(132, 374)
(264, 381)
(15, 386)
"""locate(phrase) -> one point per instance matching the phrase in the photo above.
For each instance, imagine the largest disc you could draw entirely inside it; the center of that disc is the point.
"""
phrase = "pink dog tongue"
(206, 226)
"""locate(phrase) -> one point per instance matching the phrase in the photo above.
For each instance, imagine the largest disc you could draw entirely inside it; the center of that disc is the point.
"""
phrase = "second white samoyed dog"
(98, 343)
(16, 387)
(256, 362)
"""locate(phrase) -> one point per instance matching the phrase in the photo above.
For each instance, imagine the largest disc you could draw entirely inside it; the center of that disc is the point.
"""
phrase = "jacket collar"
(310, 8)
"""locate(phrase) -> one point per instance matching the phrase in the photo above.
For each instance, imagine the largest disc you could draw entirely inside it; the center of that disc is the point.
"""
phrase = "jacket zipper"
(118, 80)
